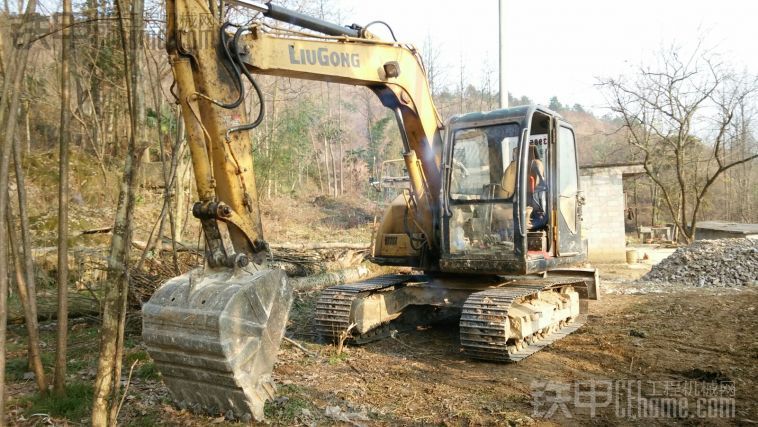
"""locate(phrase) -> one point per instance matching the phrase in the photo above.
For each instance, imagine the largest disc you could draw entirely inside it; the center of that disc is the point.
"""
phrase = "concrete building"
(709, 230)
(603, 212)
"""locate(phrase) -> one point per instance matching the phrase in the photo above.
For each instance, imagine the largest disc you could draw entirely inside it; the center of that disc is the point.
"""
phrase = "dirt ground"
(692, 337)
(663, 345)
(687, 340)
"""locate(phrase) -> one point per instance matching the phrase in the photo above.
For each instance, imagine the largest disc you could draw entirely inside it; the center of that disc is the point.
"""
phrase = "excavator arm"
(215, 331)
(209, 61)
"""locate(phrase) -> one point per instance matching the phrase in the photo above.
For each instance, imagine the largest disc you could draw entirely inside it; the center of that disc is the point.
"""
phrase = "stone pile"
(710, 263)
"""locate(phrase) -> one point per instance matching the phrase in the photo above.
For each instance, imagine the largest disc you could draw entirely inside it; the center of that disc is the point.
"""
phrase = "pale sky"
(559, 47)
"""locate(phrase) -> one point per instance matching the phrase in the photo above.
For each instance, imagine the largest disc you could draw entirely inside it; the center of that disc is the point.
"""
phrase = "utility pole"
(503, 86)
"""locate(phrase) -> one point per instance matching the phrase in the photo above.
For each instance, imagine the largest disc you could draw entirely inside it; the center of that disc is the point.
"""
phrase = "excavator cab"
(511, 201)
(508, 224)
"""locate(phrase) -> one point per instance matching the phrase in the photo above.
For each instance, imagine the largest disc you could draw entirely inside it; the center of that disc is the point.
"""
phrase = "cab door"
(566, 196)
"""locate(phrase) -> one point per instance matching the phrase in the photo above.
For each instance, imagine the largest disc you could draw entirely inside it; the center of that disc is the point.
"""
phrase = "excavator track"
(332, 317)
(485, 325)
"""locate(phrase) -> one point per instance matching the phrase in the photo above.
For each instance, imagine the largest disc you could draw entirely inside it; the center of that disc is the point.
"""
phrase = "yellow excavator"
(490, 223)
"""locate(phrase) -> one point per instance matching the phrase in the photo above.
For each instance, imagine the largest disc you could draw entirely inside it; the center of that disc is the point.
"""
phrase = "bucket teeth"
(214, 336)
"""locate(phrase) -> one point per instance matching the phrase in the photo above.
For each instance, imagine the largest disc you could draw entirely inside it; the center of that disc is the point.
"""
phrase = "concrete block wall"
(603, 214)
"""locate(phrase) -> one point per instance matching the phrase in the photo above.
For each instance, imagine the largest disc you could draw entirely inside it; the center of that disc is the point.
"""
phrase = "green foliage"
(135, 356)
(515, 102)
(148, 371)
(556, 105)
(73, 405)
(145, 367)
(336, 359)
(148, 420)
(285, 409)
(280, 155)
(165, 118)
(378, 147)
(15, 369)
(75, 365)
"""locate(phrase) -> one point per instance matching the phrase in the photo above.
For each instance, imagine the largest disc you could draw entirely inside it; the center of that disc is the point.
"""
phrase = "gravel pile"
(710, 263)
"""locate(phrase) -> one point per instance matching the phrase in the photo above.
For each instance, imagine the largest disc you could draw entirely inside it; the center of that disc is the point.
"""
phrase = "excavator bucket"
(214, 336)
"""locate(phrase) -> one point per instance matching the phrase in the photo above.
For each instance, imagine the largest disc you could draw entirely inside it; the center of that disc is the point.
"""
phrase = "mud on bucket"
(214, 336)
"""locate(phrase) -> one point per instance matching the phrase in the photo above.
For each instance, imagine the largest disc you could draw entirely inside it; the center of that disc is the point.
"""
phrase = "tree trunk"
(30, 318)
(174, 182)
(318, 162)
(339, 129)
(139, 141)
(26, 240)
(334, 168)
(183, 190)
(326, 165)
(341, 163)
(108, 377)
(59, 383)
(28, 126)
(654, 201)
(115, 293)
(9, 100)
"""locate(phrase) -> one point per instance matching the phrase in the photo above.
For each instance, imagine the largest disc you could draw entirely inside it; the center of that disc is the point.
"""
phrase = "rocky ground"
(710, 263)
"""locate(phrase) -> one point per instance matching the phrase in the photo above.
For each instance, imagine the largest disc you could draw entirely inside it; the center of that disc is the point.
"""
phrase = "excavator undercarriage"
(502, 319)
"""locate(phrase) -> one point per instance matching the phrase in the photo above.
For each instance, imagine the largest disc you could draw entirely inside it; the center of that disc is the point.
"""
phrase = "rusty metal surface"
(214, 337)
(332, 317)
(587, 280)
(485, 324)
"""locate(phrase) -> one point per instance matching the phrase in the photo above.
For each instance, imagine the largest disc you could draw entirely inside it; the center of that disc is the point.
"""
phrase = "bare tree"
(30, 320)
(108, 379)
(678, 114)
(59, 383)
(9, 106)
(461, 82)
(26, 243)
(431, 55)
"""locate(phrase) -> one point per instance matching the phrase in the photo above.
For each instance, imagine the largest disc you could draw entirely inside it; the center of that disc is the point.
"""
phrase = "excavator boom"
(214, 332)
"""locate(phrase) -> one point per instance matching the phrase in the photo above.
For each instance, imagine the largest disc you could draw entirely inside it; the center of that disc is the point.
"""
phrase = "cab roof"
(514, 114)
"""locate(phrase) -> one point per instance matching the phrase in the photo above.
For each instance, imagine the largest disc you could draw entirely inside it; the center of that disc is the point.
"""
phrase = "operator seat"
(536, 192)
(508, 182)
(502, 213)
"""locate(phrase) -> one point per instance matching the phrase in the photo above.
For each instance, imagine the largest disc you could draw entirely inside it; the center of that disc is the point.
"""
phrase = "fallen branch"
(165, 245)
(343, 337)
(101, 230)
(332, 278)
(300, 347)
(126, 388)
(47, 307)
(321, 245)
